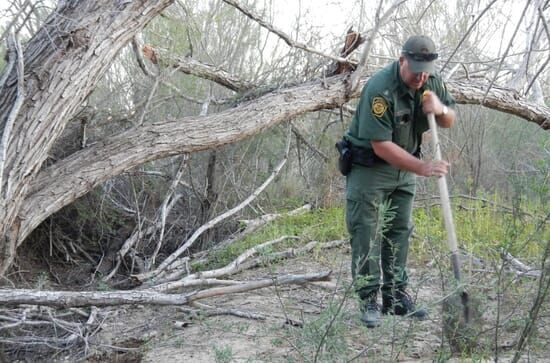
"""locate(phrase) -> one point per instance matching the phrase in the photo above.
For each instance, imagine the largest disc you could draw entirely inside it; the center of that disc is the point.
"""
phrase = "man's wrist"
(444, 111)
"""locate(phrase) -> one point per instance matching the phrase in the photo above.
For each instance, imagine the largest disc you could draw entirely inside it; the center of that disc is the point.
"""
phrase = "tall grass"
(483, 230)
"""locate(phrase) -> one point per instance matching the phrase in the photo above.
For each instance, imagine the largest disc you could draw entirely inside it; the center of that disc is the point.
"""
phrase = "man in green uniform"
(385, 137)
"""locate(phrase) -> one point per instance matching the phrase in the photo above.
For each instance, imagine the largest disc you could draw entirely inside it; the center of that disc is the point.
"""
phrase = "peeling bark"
(63, 63)
(63, 182)
(207, 71)
(500, 99)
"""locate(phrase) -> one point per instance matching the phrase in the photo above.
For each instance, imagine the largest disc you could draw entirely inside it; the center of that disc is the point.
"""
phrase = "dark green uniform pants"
(367, 188)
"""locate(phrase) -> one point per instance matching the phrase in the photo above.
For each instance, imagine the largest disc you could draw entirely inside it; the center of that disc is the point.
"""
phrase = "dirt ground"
(294, 323)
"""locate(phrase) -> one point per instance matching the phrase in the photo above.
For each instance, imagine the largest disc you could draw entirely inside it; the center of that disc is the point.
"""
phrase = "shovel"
(448, 218)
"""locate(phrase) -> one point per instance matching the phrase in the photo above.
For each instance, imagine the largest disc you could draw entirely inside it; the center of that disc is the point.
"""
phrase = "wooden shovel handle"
(445, 201)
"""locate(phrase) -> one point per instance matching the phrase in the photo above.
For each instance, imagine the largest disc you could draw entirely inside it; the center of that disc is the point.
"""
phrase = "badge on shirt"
(379, 106)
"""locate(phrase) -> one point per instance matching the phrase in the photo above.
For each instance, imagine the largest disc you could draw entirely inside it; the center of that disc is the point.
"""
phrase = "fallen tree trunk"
(67, 180)
(500, 99)
(66, 299)
(465, 92)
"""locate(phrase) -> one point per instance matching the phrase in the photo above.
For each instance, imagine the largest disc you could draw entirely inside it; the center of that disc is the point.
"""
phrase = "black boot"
(370, 312)
(401, 304)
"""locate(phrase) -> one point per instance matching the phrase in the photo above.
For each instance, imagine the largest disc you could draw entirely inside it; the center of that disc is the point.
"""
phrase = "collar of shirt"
(402, 88)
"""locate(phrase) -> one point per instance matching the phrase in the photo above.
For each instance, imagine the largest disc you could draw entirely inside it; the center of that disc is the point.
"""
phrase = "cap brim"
(418, 67)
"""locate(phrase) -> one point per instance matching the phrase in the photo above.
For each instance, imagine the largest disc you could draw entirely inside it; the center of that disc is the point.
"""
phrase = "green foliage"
(2, 59)
(223, 354)
(43, 281)
(323, 336)
(483, 228)
(102, 286)
(319, 225)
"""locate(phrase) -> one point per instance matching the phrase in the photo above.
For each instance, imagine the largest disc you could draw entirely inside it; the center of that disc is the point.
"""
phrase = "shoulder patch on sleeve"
(379, 106)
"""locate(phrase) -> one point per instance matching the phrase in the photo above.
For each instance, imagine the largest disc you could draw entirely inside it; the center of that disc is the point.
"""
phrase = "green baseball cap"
(420, 53)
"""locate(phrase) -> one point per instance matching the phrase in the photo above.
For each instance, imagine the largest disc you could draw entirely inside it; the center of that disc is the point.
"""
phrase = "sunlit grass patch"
(482, 230)
(321, 225)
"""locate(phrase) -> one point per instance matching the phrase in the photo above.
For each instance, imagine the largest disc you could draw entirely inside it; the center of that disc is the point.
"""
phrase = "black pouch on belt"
(345, 158)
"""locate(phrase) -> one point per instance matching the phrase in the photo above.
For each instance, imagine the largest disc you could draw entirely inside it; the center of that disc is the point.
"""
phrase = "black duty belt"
(350, 154)
(365, 157)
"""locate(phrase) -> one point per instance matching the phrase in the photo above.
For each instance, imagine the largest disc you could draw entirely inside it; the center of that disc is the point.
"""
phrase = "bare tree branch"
(287, 39)
(169, 200)
(493, 80)
(519, 267)
(534, 312)
(237, 265)
(191, 99)
(255, 224)
(45, 327)
(190, 66)
(425, 11)
(292, 252)
(467, 33)
(208, 310)
(302, 138)
(139, 57)
(66, 299)
(500, 99)
(537, 74)
(361, 70)
(14, 19)
(148, 101)
(170, 259)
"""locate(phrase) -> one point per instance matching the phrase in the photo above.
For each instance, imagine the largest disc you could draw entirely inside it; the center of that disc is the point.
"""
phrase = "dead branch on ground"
(237, 265)
(34, 327)
(159, 221)
(185, 246)
(197, 308)
(241, 263)
(66, 299)
(252, 225)
(292, 252)
(518, 267)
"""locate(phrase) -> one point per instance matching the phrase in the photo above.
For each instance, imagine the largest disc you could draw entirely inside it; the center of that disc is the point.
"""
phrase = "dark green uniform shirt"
(389, 111)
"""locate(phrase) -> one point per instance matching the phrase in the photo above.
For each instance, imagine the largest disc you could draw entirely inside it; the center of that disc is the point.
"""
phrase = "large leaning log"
(66, 299)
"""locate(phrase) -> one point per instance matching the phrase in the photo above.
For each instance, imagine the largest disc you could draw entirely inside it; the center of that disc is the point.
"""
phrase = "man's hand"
(401, 159)
(432, 104)
(436, 168)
